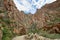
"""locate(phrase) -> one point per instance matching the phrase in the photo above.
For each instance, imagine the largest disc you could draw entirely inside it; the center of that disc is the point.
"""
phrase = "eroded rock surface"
(32, 37)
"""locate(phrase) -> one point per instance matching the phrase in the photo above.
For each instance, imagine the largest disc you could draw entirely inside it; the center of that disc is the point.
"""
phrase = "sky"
(31, 6)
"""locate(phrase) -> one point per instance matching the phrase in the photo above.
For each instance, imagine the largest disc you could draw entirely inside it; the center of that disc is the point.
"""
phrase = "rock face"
(54, 5)
(23, 19)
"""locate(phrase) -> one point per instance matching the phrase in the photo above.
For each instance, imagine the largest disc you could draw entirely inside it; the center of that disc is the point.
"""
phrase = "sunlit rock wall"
(26, 20)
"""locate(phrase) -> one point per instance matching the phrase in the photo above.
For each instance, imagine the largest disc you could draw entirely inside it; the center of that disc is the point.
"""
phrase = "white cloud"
(31, 6)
